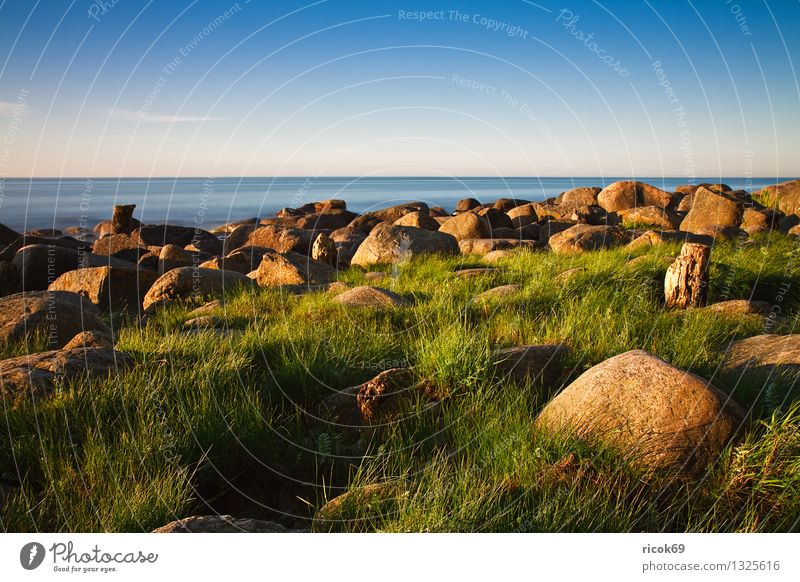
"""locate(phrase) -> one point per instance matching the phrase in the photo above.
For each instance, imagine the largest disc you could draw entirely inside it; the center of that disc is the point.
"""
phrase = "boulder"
(173, 257)
(165, 234)
(484, 246)
(231, 226)
(585, 237)
(330, 220)
(495, 256)
(763, 358)
(649, 216)
(476, 272)
(629, 194)
(756, 221)
(37, 375)
(110, 288)
(553, 227)
(243, 260)
(497, 218)
(784, 196)
(497, 293)
(528, 210)
(121, 246)
(367, 296)
(467, 225)
(90, 339)
(539, 363)
(220, 524)
(655, 415)
(324, 250)
(467, 204)
(322, 206)
(580, 196)
(280, 239)
(281, 269)
(395, 244)
(356, 508)
(105, 227)
(57, 314)
(187, 282)
(647, 239)
(7, 235)
(712, 209)
(417, 220)
(366, 222)
(741, 307)
(506, 204)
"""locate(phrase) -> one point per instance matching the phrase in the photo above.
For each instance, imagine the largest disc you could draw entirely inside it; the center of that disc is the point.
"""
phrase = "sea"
(29, 203)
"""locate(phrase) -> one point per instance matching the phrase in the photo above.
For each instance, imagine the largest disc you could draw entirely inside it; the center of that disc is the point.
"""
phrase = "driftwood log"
(122, 219)
(686, 283)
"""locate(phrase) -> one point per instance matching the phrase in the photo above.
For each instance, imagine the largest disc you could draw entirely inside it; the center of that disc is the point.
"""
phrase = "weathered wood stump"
(686, 283)
(122, 219)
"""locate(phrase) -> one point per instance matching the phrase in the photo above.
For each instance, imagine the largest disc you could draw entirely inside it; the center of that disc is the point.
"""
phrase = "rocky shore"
(66, 297)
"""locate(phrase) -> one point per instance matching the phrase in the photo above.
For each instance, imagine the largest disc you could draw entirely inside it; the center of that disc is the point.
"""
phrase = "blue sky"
(574, 88)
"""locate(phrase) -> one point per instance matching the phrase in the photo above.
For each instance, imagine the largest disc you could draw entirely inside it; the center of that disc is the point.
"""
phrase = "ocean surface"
(43, 203)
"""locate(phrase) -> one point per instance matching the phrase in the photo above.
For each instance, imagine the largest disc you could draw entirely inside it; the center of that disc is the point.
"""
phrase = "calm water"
(37, 203)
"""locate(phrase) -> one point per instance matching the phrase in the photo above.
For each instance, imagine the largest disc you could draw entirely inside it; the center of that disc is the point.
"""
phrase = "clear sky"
(343, 88)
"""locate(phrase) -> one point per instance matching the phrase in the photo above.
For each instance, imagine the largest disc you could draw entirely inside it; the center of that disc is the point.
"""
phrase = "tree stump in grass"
(122, 219)
(686, 283)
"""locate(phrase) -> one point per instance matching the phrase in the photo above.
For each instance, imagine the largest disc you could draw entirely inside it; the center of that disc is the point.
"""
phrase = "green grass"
(231, 422)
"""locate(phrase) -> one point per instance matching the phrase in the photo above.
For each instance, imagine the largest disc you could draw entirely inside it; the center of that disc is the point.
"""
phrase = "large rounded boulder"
(467, 225)
(585, 237)
(187, 282)
(712, 209)
(394, 244)
(110, 288)
(784, 196)
(657, 416)
(629, 194)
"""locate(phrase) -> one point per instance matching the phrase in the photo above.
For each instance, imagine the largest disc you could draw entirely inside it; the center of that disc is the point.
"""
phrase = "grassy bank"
(230, 422)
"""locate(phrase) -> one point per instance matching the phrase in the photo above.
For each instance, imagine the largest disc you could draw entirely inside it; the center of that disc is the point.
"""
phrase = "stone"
(280, 239)
(655, 415)
(8, 235)
(763, 358)
(120, 246)
(58, 315)
(757, 221)
(534, 363)
(506, 204)
(231, 226)
(36, 376)
(122, 219)
(497, 218)
(418, 220)
(395, 244)
(109, 288)
(356, 507)
(324, 250)
(369, 220)
(189, 282)
(173, 257)
(367, 296)
(565, 276)
(106, 227)
(330, 220)
(629, 194)
(553, 227)
(483, 246)
(649, 216)
(495, 256)
(243, 260)
(647, 239)
(90, 339)
(784, 197)
(585, 237)
(166, 234)
(220, 524)
(477, 272)
(207, 308)
(467, 204)
(467, 225)
(581, 196)
(282, 269)
(500, 292)
(528, 210)
(712, 209)
(741, 307)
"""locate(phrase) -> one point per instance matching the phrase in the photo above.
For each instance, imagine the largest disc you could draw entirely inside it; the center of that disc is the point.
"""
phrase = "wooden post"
(122, 219)
(686, 283)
